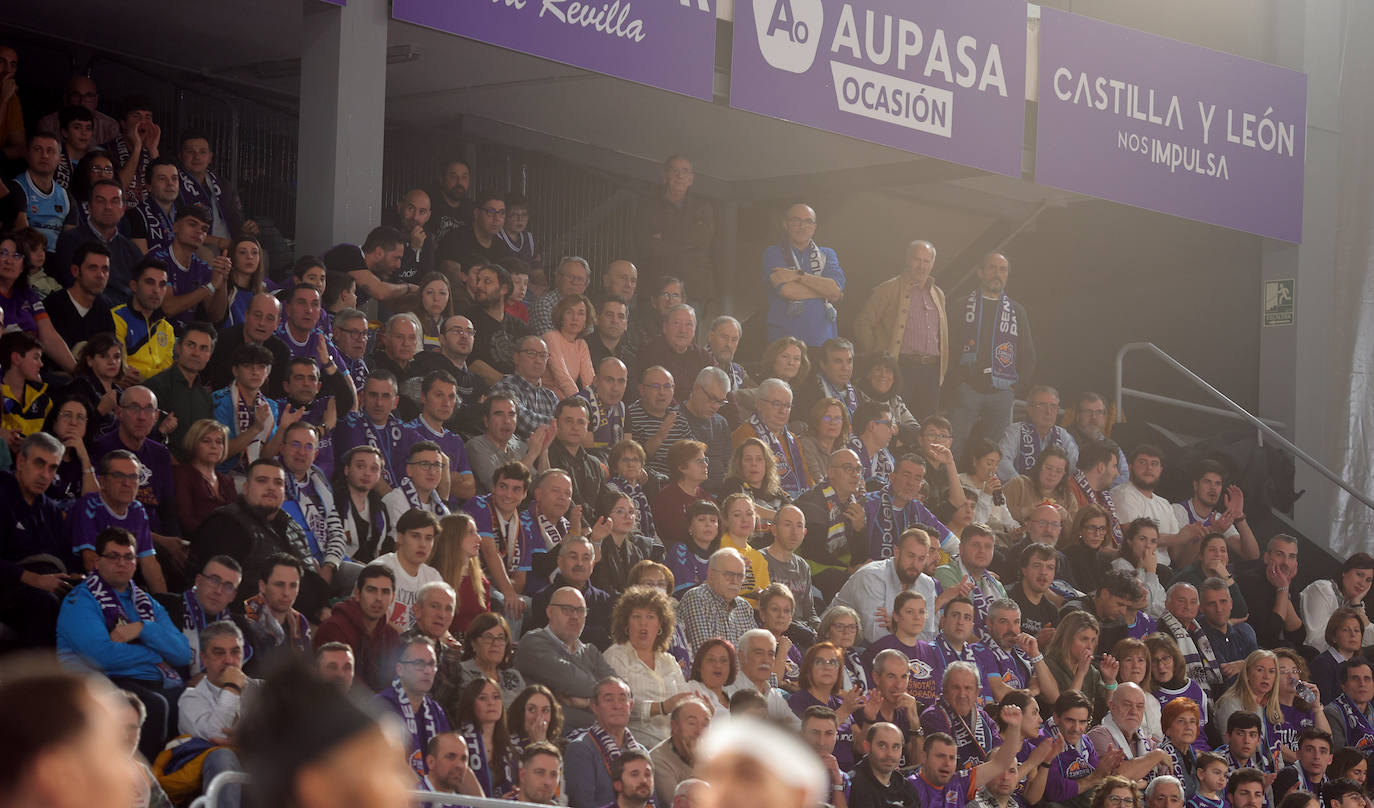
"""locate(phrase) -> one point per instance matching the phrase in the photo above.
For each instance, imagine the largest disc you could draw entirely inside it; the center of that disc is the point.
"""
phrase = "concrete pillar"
(1294, 380)
(342, 116)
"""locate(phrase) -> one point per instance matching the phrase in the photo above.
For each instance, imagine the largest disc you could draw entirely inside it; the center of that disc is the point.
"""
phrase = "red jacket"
(374, 655)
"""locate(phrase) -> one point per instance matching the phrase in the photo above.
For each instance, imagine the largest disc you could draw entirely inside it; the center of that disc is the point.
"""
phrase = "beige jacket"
(882, 323)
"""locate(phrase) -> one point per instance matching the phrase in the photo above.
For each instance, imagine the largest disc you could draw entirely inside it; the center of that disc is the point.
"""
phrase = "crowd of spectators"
(546, 516)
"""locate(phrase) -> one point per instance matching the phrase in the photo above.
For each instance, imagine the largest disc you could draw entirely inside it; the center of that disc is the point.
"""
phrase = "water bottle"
(998, 498)
(1304, 692)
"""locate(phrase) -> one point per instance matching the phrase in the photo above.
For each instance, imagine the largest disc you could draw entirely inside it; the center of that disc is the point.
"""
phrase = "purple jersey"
(91, 515)
(182, 280)
(1193, 691)
(1072, 765)
(23, 311)
(957, 793)
(1295, 720)
(307, 348)
(483, 512)
(1142, 625)
(155, 487)
(687, 566)
(1008, 667)
(356, 429)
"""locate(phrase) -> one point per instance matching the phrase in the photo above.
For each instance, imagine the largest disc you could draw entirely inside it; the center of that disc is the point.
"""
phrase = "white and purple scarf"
(815, 265)
(1028, 446)
(193, 193)
(1102, 499)
(790, 475)
(113, 613)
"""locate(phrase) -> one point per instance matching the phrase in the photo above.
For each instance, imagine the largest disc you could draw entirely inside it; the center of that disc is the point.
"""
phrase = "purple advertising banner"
(935, 77)
(669, 44)
(1172, 127)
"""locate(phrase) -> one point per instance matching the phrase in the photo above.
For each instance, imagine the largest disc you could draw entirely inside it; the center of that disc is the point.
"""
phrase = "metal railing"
(1230, 409)
(210, 799)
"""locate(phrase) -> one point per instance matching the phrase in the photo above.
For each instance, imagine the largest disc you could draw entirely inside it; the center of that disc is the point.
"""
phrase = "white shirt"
(1132, 503)
(1319, 600)
(778, 708)
(647, 685)
(875, 585)
(407, 588)
(208, 712)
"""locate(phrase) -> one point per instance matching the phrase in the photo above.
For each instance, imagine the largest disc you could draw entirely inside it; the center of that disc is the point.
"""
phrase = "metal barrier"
(210, 799)
(1265, 427)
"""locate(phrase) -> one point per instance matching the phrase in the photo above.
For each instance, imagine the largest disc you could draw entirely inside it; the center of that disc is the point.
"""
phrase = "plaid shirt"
(704, 615)
(534, 403)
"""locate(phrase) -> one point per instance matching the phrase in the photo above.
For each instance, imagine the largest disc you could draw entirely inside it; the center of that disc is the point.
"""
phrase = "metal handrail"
(1234, 409)
(211, 797)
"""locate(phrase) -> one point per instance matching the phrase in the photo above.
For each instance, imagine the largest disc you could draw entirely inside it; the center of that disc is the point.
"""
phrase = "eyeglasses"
(844, 627)
(832, 419)
(216, 582)
(422, 664)
(6, 255)
(883, 421)
(827, 662)
(105, 170)
(666, 387)
(351, 332)
(1044, 405)
(299, 445)
(534, 353)
(575, 611)
(622, 511)
(492, 637)
(1092, 528)
(121, 558)
(939, 436)
(493, 211)
(1117, 799)
(78, 417)
(427, 465)
(731, 576)
(670, 295)
(458, 329)
(797, 221)
(119, 476)
(713, 400)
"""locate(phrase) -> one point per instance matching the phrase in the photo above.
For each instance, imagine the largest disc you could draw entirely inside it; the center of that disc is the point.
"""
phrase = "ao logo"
(789, 32)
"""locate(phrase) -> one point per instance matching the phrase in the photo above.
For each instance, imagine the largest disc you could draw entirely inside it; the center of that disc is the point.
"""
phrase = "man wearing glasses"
(408, 696)
(655, 421)
(773, 400)
(1022, 442)
(1090, 423)
(113, 626)
(572, 277)
(206, 602)
(715, 609)
(702, 411)
(556, 657)
(836, 536)
(457, 338)
(116, 505)
(480, 243)
(309, 498)
(426, 466)
(804, 282)
(535, 404)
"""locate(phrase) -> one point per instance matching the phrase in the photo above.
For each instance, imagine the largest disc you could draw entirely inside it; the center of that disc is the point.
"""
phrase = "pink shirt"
(922, 335)
(570, 364)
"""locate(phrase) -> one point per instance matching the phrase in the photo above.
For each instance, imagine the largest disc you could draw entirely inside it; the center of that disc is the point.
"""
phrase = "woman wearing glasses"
(1116, 792)
(821, 684)
(487, 653)
(828, 431)
(641, 627)
(1084, 546)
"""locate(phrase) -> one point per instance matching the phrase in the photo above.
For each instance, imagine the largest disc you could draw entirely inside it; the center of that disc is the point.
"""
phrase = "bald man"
(410, 216)
(81, 91)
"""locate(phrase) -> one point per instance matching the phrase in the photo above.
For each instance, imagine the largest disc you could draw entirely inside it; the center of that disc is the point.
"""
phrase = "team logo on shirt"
(920, 669)
(1003, 354)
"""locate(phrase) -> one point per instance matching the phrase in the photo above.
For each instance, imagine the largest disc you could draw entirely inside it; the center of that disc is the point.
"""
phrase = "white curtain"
(1352, 324)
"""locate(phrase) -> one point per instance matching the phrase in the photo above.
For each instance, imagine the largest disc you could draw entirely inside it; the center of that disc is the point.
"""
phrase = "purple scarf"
(113, 613)
(193, 193)
(792, 477)
(1102, 499)
(1028, 448)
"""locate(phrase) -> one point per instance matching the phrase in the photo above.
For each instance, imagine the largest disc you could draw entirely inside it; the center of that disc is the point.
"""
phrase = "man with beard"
(1112, 604)
(1020, 665)
(446, 760)
(448, 199)
(1092, 479)
(1203, 509)
(1136, 498)
(541, 774)
(632, 777)
(993, 336)
(253, 528)
(360, 623)
(493, 348)
(372, 265)
(1122, 729)
(409, 218)
(1090, 422)
(674, 757)
(876, 783)
(872, 588)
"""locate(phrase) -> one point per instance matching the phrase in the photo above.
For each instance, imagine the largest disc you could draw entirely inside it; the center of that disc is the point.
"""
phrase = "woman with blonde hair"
(738, 522)
(1298, 701)
(199, 485)
(1134, 658)
(1256, 691)
(753, 470)
(641, 628)
(1070, 658)
(456, 558)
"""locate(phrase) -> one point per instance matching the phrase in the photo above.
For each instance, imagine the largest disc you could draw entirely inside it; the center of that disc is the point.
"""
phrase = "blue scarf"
(1004, 338)
(1028, 446)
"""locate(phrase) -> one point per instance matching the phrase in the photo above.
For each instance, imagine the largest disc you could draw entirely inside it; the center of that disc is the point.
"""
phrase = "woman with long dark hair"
(481, 720)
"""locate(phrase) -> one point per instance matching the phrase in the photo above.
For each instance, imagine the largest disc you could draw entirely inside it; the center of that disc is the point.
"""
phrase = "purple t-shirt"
(356, 429)
(23, 311)
(958, 792)
(1295, 720)
(91, 515)
(483, 512)
(155, 487)
(182, 281)
(688, 568)
(449, 443)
